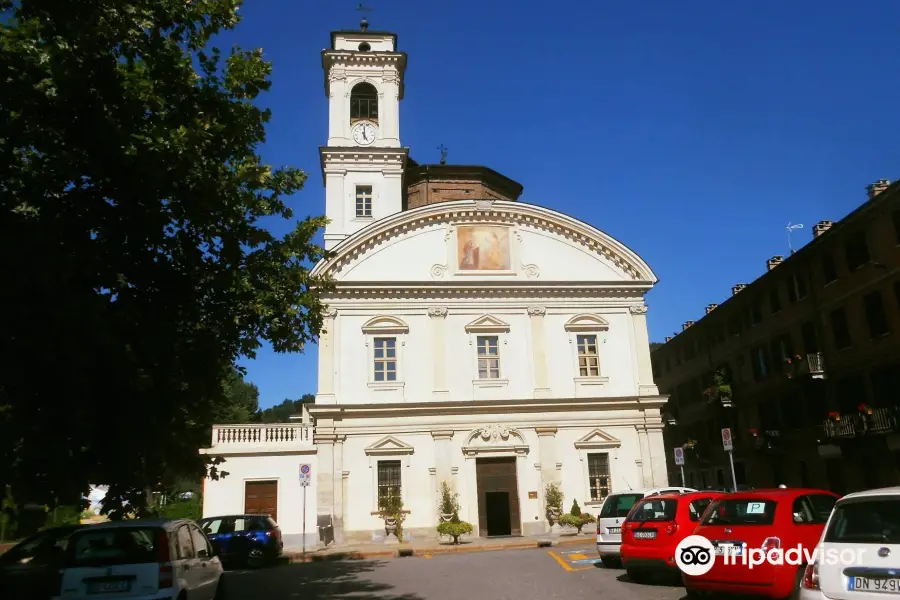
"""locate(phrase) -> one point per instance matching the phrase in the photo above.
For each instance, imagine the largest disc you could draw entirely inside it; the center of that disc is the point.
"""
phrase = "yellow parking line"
(578, 556)
(560, 560)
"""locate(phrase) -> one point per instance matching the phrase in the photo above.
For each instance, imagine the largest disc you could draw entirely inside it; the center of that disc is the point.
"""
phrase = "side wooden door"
(261, 498)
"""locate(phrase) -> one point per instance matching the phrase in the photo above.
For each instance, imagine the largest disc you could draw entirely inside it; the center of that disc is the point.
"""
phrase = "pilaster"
(330, 483)
(658, 465)
(646, 386)
(646, 470)
(538, 353)
(549, 472)
(438, 316)
(326, 394)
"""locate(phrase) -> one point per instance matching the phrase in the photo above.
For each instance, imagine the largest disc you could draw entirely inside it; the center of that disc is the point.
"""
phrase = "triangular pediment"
(487, 324)
(587, 322)
(598, 439)
(389, 445)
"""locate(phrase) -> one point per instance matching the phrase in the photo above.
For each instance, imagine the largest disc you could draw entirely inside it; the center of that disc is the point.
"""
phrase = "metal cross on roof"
(443, 150)
(363, 23)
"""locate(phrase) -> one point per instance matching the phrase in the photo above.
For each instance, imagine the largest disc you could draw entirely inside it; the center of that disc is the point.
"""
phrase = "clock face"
(364, 133)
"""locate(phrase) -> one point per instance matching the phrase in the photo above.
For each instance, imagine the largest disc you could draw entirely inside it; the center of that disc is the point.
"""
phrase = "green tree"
(241, 399)
(135, 265)
(282, 413)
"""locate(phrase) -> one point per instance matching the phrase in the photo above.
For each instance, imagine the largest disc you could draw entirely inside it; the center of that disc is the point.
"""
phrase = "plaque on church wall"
(483, 248)
(532, 495)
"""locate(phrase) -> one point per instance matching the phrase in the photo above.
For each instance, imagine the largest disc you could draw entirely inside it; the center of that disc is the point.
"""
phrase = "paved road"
(538, 574)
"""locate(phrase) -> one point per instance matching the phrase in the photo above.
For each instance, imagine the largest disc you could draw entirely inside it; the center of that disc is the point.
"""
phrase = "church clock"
(364, 133)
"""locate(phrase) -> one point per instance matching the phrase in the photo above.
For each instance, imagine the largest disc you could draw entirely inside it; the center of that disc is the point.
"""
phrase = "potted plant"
(454, 527)
(575, 518)
(449, 504)
(393, 515)
(553, 500)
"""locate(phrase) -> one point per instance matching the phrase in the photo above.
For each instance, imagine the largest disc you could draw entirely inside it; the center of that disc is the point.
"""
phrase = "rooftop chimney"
(668, 338)
(686, 325)
(774, 262)
(821, 227)
(711, 308)
(877, 187)
(737, 288)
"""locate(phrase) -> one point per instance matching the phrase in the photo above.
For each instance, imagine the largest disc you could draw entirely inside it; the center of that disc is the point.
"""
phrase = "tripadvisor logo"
(694, 555)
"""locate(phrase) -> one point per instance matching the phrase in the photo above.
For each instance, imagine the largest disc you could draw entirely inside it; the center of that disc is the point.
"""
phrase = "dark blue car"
(251, 540)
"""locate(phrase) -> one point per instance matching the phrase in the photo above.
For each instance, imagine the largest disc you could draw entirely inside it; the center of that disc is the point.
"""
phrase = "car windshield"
(618, 505)
(654, 509)
(697, 507)
(114, 546)
(40, 548)
(873, 520)
(741, 512)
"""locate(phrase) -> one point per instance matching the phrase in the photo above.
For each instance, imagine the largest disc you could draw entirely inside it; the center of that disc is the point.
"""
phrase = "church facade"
(471, 339)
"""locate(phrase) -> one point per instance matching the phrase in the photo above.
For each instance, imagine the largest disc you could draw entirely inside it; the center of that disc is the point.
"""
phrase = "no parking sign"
(727, 442)
(305, 475)
(679, 456)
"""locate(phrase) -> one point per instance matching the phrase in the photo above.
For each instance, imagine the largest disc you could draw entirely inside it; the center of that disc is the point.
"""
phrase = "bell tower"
(363, 162)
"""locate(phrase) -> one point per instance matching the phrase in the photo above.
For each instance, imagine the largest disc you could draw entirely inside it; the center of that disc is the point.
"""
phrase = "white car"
(613, 512)
(865, 527)
(140, 560)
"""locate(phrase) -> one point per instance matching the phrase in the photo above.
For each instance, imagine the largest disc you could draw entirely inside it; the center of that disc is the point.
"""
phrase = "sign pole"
(304, 520)
(683, 484)
(733, 476)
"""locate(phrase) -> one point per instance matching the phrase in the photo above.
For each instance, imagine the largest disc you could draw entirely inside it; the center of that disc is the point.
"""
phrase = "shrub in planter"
(575, 518)
(449, 504)
(393, 515)
(553, 500)
(454, 528)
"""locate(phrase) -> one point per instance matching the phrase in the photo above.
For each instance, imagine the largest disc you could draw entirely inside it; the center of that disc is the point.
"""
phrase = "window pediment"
(587, 323)
(487, 324)
(597, 440)
(389, 446)
(385, 325)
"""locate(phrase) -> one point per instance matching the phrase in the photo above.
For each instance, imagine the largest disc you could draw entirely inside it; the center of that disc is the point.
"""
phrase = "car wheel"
(255, 557)
(636, 576)
(610, 562)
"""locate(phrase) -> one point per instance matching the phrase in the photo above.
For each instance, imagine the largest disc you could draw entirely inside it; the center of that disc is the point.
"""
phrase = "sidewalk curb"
(293, 558)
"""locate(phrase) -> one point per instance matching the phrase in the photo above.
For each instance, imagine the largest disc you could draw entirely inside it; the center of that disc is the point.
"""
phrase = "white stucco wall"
(225, 496)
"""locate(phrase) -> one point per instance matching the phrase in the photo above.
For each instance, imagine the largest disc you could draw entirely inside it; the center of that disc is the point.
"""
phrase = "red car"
(763, 520)
(653, 529)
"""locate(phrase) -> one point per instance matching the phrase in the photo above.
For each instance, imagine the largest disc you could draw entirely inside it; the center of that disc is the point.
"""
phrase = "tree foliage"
(282, 413)
(134, 261)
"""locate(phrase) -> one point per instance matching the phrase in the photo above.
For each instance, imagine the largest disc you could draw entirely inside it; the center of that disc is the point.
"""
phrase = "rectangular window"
(588, 357)
(760, 359)
(810, 339)
(388, 481)
(829, 270)
(755, 313)
(385, 359)
(598, 473)
(875, 315)
(857, 250)
(775, 300)
(364, 201)
(488, 357)
(840, 329)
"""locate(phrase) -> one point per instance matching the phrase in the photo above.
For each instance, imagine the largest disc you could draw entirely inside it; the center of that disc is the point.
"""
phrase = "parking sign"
(305, 475)
(727, 442)
(679, 456)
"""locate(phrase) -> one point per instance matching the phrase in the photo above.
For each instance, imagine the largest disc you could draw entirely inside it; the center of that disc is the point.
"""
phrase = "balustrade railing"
(880, 421)
(262, 435)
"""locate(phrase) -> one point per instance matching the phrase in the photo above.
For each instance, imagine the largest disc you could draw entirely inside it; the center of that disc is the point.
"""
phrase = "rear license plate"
(108, 586)
(645, 535)
(866, 584)
(613, 530)
(728, 548)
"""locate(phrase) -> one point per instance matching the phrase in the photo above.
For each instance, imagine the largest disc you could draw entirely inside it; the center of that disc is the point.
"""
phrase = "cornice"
(471, 407)
(466, 290)
(469, 211)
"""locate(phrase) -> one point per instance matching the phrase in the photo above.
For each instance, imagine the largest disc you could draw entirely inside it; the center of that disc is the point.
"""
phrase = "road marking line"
(427, 555)
(560, 560)
(578, 556)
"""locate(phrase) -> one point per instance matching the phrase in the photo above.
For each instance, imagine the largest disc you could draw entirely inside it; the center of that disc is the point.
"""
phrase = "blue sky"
(693, 132)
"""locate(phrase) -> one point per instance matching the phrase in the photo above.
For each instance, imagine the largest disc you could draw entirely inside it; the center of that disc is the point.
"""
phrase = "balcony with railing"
(878, 421)
(812, 364)
(253, 438)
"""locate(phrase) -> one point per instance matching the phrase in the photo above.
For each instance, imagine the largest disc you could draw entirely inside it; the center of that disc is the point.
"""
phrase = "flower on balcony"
(690, 445)
(864, 408)
(754, 432)
(834, 416)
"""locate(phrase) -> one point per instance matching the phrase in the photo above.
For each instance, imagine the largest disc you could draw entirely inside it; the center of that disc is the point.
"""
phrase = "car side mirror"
(203, 554)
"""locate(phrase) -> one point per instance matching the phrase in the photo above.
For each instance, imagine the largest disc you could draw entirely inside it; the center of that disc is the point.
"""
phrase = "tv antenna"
(363, 23)
(443, 150)
(790, 230)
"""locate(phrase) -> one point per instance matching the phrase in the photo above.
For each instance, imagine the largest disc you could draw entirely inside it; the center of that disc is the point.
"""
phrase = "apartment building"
(803, 364)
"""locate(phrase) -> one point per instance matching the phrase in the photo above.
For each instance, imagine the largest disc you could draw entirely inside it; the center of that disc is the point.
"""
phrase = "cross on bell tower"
(363, 23)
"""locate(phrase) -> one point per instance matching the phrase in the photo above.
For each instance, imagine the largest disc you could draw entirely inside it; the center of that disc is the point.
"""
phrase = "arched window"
(364, 102)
